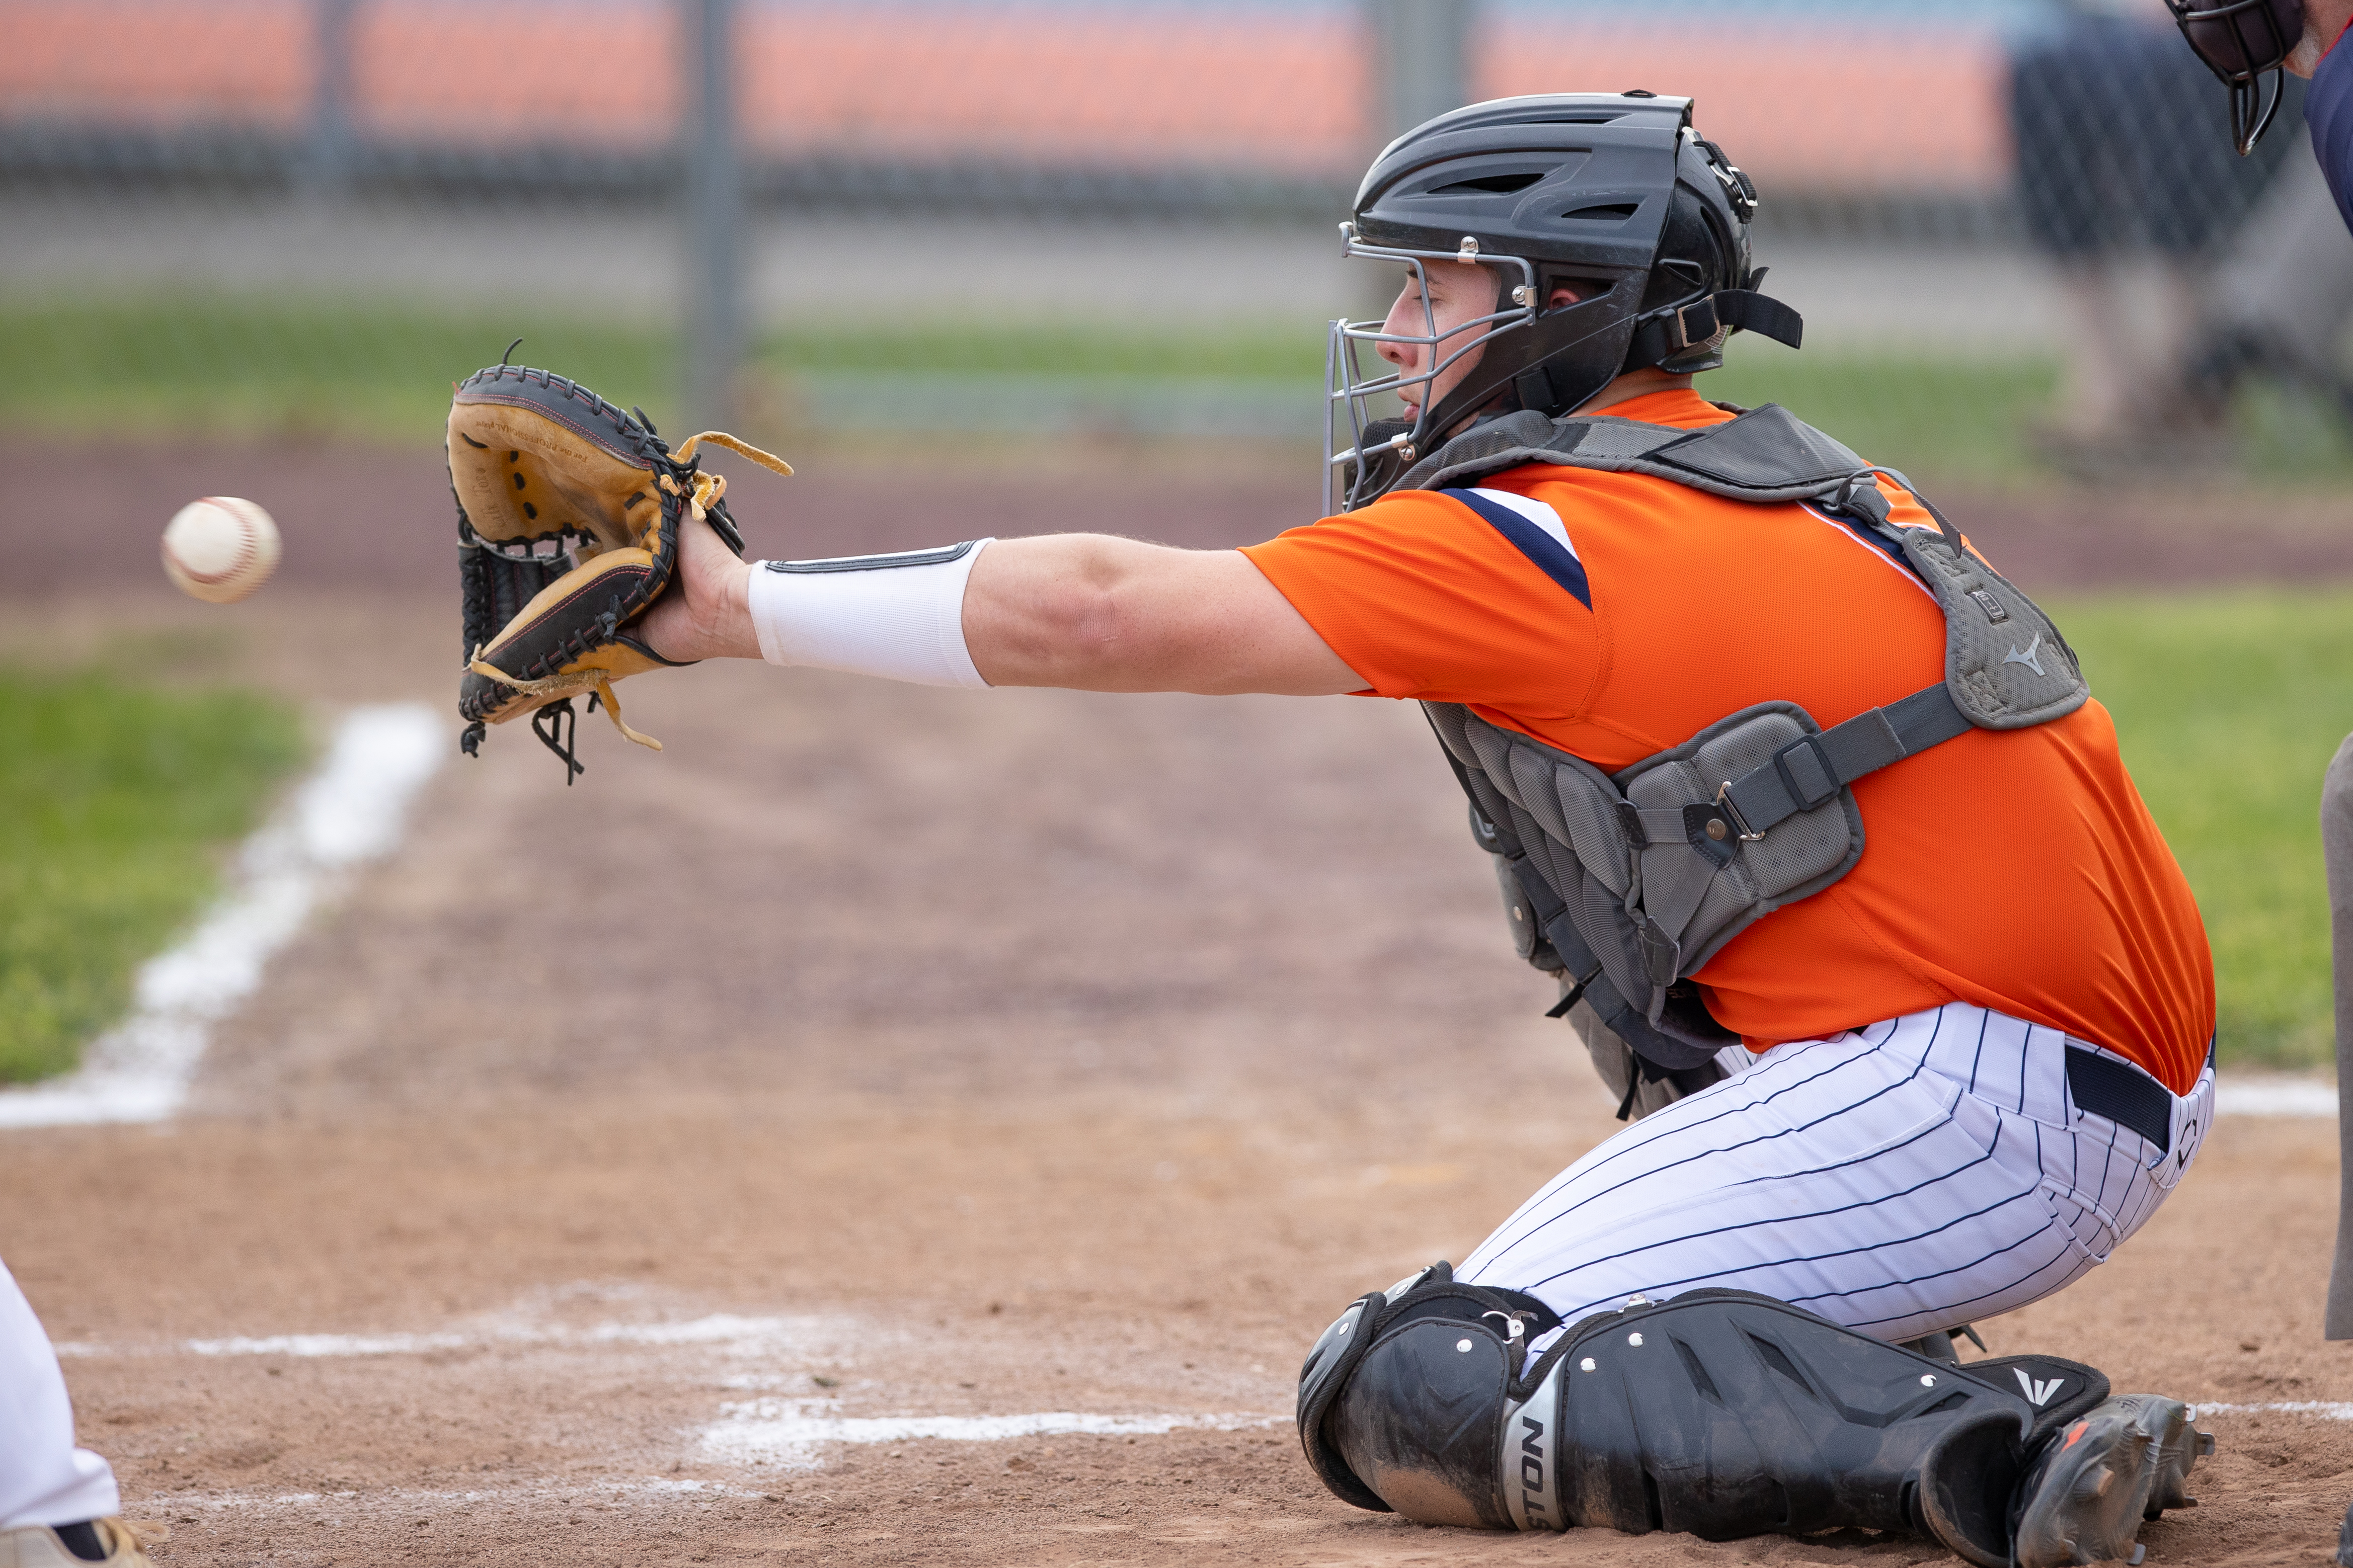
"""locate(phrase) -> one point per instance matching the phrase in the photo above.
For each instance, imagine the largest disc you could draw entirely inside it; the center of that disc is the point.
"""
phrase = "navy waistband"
(2123, 1093)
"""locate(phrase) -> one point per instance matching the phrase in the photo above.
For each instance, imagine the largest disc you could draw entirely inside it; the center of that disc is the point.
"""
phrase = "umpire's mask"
(2242, 42)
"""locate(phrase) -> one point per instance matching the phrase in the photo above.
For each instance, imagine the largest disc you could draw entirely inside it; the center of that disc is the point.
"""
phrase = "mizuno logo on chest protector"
(2027, 658)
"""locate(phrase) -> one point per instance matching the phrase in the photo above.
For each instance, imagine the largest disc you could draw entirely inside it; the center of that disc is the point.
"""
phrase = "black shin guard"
(1725, 1415)
(1720, 1413)
(1401, 1403)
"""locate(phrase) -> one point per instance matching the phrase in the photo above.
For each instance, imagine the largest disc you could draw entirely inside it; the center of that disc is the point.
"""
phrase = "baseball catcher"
(1805, 810)
(568, 515)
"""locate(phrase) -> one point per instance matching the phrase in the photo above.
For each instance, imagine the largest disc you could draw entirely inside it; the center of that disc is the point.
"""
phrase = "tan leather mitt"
(568, 512)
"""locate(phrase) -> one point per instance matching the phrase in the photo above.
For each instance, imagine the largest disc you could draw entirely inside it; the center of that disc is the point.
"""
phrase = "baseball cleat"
(124, 1542)
(2181, 1457)
(2086, 1495)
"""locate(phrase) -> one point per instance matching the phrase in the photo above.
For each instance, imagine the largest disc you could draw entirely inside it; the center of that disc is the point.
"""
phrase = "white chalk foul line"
(726, 1331)
(2237, 1093)
(327, 1346)
(2322, 1409)
(2269, 1094)
(347, 812)
(790, 1431)
(652, 1488)
(723, 1330)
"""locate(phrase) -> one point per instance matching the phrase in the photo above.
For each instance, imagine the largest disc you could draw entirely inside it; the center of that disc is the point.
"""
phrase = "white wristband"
(897, 617)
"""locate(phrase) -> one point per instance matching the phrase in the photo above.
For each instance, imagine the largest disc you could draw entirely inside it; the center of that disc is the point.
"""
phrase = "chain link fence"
(2021, 244)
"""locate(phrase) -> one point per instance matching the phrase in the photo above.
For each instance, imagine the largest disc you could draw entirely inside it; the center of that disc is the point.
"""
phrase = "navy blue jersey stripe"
(1534, 543)
(1873, 539)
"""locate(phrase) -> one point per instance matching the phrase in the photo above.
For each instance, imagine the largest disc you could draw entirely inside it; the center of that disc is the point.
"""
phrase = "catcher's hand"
(707, 611)
(568, 526)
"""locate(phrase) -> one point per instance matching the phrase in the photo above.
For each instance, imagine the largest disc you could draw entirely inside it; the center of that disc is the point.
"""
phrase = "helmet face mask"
(2242, 41)
(1352, 382)
(1611, 196)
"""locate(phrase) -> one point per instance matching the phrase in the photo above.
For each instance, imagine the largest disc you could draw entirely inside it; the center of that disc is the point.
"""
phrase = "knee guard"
(1720, 1413)
(1403, 1400)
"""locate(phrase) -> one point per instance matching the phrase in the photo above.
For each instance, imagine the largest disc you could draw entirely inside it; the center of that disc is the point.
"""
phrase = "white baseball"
(220, 548)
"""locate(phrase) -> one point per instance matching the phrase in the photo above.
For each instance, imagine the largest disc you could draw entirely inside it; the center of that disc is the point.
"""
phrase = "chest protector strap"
(1626, 884)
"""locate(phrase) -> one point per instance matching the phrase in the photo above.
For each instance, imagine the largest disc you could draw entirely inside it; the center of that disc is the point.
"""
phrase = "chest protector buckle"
(1626, 884)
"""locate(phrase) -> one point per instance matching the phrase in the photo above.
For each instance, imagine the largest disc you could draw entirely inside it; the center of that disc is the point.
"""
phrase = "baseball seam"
(247, 539)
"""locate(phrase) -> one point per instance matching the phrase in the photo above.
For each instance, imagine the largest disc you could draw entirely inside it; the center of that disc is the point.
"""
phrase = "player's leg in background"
(2337, 845)
(2280, 293)
(44, 1480)
(2127, 203)
(2063, 102)
(1898, 1180)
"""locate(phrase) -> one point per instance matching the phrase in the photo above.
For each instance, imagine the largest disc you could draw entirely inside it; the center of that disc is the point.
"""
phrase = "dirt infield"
(895, 1126)
(369, 520)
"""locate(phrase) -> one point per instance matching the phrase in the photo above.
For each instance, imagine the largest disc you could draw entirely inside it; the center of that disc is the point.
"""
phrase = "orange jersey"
(2016, 869)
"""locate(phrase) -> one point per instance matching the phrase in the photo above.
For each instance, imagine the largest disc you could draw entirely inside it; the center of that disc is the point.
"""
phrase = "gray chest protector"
(1625, 884)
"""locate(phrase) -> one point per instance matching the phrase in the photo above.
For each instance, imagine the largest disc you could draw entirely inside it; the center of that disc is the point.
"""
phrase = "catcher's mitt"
(568, 512)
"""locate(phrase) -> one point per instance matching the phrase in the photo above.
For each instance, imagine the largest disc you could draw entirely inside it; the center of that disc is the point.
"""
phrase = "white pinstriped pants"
(44, 1478)
(1900, 1179)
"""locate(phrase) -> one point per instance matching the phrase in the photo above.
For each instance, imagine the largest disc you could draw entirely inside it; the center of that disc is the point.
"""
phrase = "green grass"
(251, 364)
(1960, 419)
(119, 801)
(169, 366)
(1253, 351)
(1970, 421)
(163, 365)
(2228, 706)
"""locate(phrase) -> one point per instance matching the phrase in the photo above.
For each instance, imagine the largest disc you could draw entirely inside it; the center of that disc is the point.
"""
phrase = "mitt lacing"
(709, 488)
(564, 686)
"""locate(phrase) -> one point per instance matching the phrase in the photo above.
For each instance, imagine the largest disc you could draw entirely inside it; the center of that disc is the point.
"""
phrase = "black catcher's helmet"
(1612, 195)
(2242, 41)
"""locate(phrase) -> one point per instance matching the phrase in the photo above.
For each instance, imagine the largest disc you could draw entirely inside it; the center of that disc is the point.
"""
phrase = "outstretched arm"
(1080, 610)
(1100, 614)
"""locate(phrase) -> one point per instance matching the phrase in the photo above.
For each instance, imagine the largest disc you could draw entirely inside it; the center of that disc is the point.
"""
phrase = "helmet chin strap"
(1695, 323)
(1379, 462)
(1678, 328)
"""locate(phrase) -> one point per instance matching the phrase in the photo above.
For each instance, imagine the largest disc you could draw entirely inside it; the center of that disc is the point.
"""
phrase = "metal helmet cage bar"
(1347, 386)
(2251, 115)
(1499, 185)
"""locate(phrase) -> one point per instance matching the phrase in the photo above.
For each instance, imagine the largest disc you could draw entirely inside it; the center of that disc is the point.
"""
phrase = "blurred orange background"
(1882, 106)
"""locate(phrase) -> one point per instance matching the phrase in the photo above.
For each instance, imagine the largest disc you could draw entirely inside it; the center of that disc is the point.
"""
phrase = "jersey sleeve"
(1425, 599)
